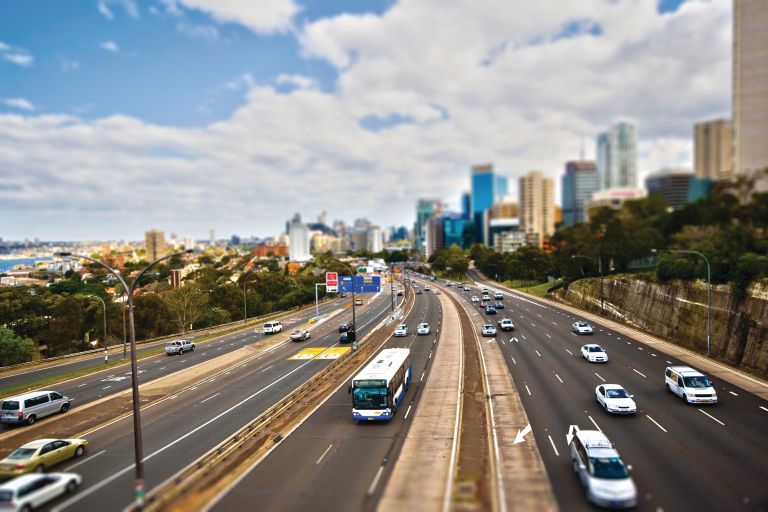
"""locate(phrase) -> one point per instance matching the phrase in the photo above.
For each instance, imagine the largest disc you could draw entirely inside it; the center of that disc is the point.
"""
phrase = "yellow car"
(40, 455)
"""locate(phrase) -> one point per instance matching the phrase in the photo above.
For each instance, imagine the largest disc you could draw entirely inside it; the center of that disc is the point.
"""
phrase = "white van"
(692, 386)
(30, 407)
(273, 327)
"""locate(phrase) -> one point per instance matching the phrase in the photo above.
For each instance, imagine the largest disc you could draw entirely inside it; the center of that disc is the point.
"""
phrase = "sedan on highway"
(40, 455)
(344, 327)
(347, 337)
(423, 329)
(490, 310)
(300, 335)
(498, 296)
(505, 324)
(402, 330)
(499, 305)
(601, 471)
(615, 399)
(489, 330)
(28, 492)
(475, 298)
(594, 353)
(581, 328)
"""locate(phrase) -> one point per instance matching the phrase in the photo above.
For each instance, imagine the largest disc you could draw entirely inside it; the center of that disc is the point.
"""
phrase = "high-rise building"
(322, 218)
(454, 225)
(212, 237)
(375, 239)
(434, 234)
(613, 198)
(483, 196)
(671, 183)
(579, 182)
(712, 149)
(466, 205)
(505, 209)
(360, 238)
(425, 208)
(298, 240)
(154, 242)
(501, 187)
(537, 206)
(750, 89)
(617, 157)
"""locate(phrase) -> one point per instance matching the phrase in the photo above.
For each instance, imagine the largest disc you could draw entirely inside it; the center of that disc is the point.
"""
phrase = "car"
(273, 327)
(40, 455)
(300, 335)
(348, 337)
(448, 284)
(615, 399)
(401, 330)
(594, 353)
(601, 471)
(345, 327)
(28, 408)
(475, 298)
(691, 385)
(485, 289)
(466, 288)
(498, 296)
(581, 328)
(483, 305)
(437, 292)
(178, 347)
(358, 302)
(486, 297)
(27, 492)
(418, 292)
(506, 324)
(499, 305)
(399, 293)
(489, 330)
(490, 310)
(422, 329)
(426, 288)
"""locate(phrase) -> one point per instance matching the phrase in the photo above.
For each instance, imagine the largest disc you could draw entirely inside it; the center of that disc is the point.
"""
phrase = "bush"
(15, 349)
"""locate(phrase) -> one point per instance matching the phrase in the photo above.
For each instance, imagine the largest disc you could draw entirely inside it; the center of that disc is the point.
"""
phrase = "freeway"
(35, 373)
(181, 428)
(95, 386)
(331, 462)
(684, 457)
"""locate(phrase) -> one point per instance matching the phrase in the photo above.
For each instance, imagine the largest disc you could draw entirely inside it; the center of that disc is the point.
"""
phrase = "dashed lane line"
(553, 445)
(656, 423)
(707, 414)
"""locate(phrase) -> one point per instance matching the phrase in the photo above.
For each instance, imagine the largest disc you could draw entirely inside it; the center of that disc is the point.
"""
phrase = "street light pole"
(709, 288)
(104, 304)
(137, 441)
(245, 306)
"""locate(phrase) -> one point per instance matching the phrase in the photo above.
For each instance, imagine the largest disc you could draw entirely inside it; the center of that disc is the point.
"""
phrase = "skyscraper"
(579, 182)
(750, 89)
(424, 210)
(712, 149)
(617, 157)
(466, 205)
(502, 187)
(537, 207)
(671, 183)
(483, 195)
(154, 243)
(298, 240)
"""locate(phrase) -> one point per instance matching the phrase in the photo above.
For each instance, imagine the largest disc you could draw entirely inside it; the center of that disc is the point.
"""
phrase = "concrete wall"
(678, 312)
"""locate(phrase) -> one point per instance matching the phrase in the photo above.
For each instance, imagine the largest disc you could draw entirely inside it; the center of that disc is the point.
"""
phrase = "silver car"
(178, 347)
(28, 408)
(601, 471)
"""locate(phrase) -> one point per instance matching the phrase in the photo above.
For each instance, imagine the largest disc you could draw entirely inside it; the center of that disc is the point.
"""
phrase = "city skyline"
(132, 137)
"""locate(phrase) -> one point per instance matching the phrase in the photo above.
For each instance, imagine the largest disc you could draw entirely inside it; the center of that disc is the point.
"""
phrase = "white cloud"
(19, 103)
(300, 81)
(68, 65)
(263, 17)
(201, 31)
(104, 11)
(16, 55)
(129, 6)
(110, 46)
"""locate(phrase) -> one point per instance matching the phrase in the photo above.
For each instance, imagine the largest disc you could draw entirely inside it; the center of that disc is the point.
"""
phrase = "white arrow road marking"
(572, 429)
(520, 437)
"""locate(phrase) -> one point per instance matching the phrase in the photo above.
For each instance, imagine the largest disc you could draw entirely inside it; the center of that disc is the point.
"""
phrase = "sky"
(117, 116)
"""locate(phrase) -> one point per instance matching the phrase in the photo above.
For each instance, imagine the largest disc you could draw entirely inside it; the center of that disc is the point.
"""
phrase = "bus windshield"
(369, 398)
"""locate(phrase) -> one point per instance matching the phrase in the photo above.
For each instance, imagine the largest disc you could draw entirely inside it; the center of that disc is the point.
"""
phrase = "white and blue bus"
(380, 387)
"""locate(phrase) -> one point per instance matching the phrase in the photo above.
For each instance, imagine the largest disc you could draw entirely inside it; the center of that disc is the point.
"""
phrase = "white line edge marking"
(324, 454)
(407, 411)
(553, 445)
(656, 423)
(375, 482)
(706, 413)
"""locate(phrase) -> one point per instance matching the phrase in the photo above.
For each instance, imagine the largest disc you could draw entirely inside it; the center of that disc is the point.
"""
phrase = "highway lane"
(683, 456)
(89, 388)
(331, 462)
(183, 427)
(64, 367)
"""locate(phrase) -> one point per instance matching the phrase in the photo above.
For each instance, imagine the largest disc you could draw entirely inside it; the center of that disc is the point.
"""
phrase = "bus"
(380, 387)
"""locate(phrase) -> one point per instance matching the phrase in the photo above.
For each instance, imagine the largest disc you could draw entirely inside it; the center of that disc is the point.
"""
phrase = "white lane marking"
(324, 454)
(554, 322)
(763, 408)
(267, 368)
(528, 390)
(553, 445)
(569, 351)
(203, 353)
(547, 335)
(593, 422)
(193, 388)
(654, 355)
(81, 385)
(407, 411)
(734, 394)
(537, 352)
(430, 355)
(533, 324)
(212, 396)
(656, 423)
(502, 342)
(106, 387)
(639, 348)
(637, 372)
(162, 368)
(422, 375)
(558, 378)
(87, 459)
(706, 413)
(599, 377)
(172, 397)
(375, 482)
(523, 336)
(513, 360)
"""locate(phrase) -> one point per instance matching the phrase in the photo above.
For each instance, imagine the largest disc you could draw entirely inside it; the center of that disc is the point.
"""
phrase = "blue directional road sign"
(359, 284)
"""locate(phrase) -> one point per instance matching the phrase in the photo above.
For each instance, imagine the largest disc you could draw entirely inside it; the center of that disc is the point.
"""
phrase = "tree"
(186, 305)
(16, 349)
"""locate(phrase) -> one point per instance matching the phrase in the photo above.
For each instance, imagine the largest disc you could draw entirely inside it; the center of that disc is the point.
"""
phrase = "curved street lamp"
(104, 304)
(137, 442)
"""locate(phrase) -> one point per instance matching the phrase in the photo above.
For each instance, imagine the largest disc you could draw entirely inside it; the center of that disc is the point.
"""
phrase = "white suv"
(601, 471)
(273, 327)
(498, 296)
(178, 347)
(692, 386)
(423, 329)
(402, 330)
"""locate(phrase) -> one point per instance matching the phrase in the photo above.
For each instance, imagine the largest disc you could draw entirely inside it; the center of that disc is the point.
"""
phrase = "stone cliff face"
(678, 312)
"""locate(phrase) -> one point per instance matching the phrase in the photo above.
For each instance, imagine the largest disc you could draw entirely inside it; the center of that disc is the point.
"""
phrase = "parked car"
(581, 328)
(30, 407)
(601, 471)
(422, 329)
(273, 327)
(28, 492)
(40, 455)
(489, 330)
(594, 353)
(691, 385)
(506, 324)
(344, 327)
(300, 335)
(401, 330)
(615, 399)
(178, 347)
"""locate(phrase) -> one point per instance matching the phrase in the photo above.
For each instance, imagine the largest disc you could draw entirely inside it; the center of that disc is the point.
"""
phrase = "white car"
(498, 296)
(692, 386)
(426, 288)
(489, 330)
(581, 328)
(486, 297)
(475, 298)
(615, 399)
(423, 329)
(467, 288)
(506, 324)
(402, 330)
(594, 353)
(34, 490)
(273, 327)
(601, 471)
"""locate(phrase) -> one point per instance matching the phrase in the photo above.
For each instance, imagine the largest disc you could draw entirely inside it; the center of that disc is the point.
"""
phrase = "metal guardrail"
(172, 488)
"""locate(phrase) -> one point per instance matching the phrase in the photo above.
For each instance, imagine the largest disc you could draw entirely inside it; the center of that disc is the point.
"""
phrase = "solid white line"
(324, 453)
(407, 411)
(717, 420)
(637, 372)
(656, 423)
(599, 377)
(375, 482)
(558, 378)
(73, 466)
(734, 394)
(569, 351)
(593, 422)
(553, 445)
(528, 390)
(763, 408)
(212, 396)
(267, 368)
